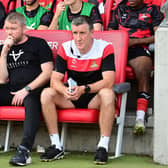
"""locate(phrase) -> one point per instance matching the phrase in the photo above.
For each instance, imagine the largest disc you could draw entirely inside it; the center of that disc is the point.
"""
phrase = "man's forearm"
(43, 77)
(106, 82)
(58, 85)
(54, 23)
(39, 81)
(3, 69)
(140, 41)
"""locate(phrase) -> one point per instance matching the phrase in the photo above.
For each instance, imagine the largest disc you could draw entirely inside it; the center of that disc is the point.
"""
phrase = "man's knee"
(141, 64)
(107, 96)
(47, 95)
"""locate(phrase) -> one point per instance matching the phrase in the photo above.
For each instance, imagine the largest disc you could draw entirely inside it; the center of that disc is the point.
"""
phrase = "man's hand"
(7, 45)
(133, 41)
(19, 97)
(141, 41)
(60, 8)
(77, 92)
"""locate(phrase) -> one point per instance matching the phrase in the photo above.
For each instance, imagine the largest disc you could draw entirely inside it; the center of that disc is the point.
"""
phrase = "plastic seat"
(9, 5)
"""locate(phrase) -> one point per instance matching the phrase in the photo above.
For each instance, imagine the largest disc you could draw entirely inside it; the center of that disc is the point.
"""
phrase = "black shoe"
(52, 153)
(22, 157)
(101, 156)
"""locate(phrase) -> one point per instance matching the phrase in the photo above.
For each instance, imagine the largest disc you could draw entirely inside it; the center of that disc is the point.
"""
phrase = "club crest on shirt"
(94, 65)
(144, 16)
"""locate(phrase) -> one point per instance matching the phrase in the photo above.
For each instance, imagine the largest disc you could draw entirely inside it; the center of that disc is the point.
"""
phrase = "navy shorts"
(84, 100)
(137, 51)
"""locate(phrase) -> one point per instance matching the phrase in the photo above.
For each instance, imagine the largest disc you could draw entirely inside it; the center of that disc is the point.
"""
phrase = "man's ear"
(24, 29)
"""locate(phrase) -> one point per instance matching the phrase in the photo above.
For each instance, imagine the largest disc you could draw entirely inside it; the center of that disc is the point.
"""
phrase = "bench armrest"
(122, 87)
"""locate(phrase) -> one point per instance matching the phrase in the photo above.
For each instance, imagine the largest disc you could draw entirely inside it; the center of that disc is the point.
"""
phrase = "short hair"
(81, 20)
(15, 17)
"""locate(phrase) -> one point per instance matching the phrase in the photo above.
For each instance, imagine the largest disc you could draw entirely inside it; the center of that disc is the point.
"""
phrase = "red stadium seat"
(119, 39)
(159, 3)
(107, 12)
(9, 5)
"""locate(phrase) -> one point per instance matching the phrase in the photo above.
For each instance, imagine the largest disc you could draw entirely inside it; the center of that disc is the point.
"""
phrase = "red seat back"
(46, 3)
(159, 3)
(107, 12)
(119, 40)
(9, 5)
(53, 37)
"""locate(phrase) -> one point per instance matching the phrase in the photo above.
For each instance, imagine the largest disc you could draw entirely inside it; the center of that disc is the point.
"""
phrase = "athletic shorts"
(84, 100)
(137, 51)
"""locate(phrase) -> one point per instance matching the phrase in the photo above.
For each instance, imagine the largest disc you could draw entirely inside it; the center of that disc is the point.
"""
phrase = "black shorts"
(84, 100)
(137, 51)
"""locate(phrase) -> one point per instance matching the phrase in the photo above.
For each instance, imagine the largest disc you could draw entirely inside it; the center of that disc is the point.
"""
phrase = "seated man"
(37, 17)
(141, 21)
(69, 9)
(27, 62)
(90, 63)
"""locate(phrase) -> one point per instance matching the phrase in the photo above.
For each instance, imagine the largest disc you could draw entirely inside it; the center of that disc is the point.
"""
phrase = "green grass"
(85, 160)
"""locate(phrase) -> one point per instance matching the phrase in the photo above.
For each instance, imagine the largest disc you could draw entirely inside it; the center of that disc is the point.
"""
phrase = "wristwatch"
(87, 89)
(28, 88)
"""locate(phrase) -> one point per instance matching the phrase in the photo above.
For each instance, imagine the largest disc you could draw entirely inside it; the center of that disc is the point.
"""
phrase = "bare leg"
(142, 67)
(105, 102)
(50, 100)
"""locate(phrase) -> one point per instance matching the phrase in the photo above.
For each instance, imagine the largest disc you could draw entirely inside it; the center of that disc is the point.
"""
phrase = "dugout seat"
(119, 39)
(9, 5)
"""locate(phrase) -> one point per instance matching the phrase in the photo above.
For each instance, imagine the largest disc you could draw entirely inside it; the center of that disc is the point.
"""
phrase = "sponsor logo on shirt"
(16, 56)
(31, 27)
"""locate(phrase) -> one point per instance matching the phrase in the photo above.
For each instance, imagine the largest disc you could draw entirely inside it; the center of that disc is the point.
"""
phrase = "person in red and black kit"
(90, 62)
(140, 20)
